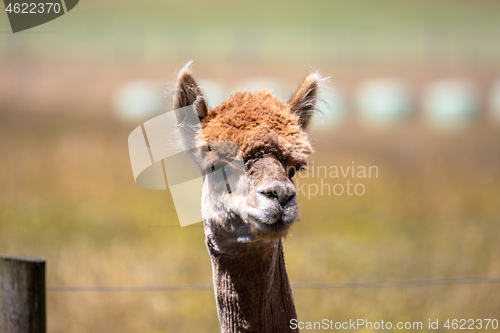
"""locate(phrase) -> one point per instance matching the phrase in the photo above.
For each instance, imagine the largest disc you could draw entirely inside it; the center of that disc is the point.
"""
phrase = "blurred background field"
(67, 95)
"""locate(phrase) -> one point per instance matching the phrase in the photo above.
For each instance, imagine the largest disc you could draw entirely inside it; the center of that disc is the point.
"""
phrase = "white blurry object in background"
(495, 101)
(332, 107)
(213, 92)
(450, 104)
(383, 102)
(139, 100)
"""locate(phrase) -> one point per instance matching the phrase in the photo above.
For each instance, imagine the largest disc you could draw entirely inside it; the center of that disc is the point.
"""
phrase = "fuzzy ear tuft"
(304, 101)
(187, 92)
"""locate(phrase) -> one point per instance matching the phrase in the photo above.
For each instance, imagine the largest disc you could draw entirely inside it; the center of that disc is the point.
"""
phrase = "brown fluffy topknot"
(259, 123)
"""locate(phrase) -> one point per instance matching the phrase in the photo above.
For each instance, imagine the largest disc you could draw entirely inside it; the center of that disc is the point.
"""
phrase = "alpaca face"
(272, 204)
(255, 199)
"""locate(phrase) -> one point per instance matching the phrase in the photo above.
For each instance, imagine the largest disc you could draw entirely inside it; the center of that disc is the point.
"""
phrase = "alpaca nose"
(283, 193)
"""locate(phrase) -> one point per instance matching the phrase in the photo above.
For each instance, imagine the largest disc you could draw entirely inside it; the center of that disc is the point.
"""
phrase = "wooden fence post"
(22, 294)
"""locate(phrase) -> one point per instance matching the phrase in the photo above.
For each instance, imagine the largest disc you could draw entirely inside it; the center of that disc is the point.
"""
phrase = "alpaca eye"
(292, 171)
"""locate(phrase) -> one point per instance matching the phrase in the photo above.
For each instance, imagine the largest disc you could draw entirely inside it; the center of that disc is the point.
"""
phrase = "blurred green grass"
(344, 32)
(67, 194)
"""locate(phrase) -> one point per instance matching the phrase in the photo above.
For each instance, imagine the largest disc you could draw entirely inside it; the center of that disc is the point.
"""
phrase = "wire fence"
(327, 285)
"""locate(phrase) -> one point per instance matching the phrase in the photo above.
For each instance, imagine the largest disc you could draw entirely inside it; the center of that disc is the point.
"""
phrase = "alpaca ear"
(187, 92)
(303, 103)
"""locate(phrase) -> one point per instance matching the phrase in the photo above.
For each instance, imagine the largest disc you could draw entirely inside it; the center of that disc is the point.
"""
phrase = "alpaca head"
(269, 136)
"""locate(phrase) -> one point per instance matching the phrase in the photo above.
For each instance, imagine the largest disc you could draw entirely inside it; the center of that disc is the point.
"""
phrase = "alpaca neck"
(252, 289)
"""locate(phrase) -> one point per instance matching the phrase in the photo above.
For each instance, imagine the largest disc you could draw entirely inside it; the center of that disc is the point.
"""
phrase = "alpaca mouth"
(270, 227)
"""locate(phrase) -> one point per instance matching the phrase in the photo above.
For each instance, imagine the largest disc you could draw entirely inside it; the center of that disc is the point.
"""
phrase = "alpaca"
(244, 234)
